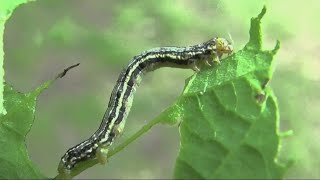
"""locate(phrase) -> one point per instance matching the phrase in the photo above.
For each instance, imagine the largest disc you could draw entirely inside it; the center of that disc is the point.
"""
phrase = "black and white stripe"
(122, 94)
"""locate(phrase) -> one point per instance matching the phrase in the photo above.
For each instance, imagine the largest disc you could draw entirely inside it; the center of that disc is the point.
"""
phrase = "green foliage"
(16, 123)
(228, 117)
(18, 119)
(6, 8)
(14, 126)
(229, 126)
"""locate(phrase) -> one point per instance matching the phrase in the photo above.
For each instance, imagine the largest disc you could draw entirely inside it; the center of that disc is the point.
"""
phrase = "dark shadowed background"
(44, 37)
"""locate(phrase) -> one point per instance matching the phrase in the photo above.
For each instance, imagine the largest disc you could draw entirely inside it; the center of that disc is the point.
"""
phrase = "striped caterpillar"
(96, 147)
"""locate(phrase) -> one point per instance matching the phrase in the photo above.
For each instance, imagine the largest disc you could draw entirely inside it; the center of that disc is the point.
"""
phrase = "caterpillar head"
(223, 46)
(219, 46)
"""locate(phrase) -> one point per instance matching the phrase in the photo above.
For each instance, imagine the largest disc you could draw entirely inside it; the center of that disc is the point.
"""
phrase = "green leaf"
(18, 116)
(229, 118)
(6, 9)
(17, 119)
(14, 126)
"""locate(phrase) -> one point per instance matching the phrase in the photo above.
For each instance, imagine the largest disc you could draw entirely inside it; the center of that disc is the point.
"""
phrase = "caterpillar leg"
(216, 59)
(118, 129)
(102, 154)
(207, 62)
(195, 68)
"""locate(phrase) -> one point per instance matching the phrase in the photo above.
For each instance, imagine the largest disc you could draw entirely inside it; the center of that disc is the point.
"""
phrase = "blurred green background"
(44, 37)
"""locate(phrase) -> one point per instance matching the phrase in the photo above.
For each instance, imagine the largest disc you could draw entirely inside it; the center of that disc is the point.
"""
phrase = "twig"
(64, 72)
